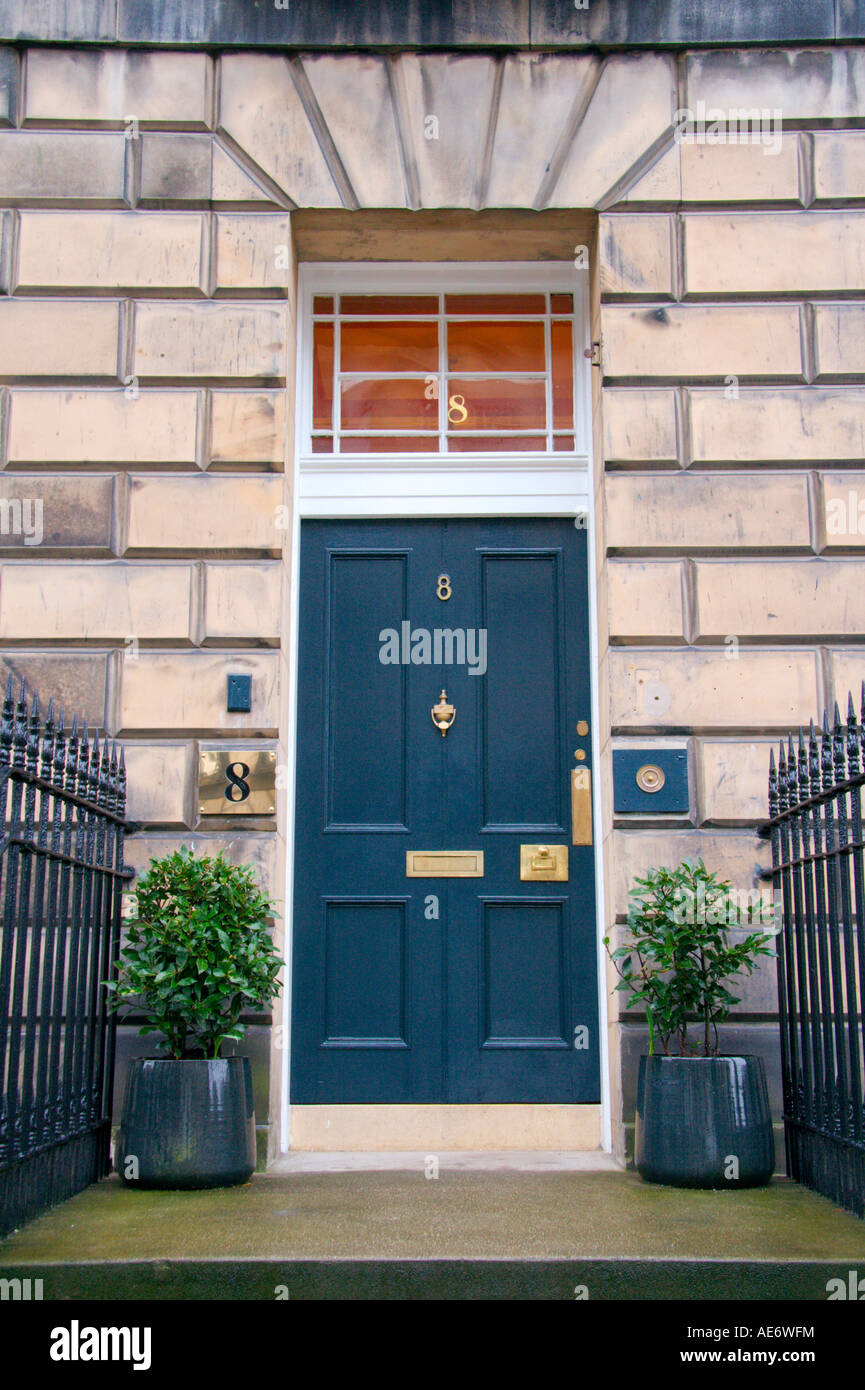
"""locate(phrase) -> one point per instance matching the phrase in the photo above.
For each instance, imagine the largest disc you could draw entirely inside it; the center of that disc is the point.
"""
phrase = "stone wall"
(732, 280)
(146, 358)
(146, 334)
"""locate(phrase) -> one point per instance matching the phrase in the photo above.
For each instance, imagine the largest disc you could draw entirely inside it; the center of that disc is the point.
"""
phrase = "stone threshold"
(453, 1161)
(433, 1129)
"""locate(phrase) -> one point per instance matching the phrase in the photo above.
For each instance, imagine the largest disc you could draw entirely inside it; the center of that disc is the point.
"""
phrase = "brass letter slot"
(581, 806)
(544, 863)
(444, 863)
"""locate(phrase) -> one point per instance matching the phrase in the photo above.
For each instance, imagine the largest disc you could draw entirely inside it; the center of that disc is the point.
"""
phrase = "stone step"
(469, 1234)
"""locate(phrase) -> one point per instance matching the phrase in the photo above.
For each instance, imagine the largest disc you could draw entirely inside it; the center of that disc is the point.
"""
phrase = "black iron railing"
(815, 805)
(61, 874)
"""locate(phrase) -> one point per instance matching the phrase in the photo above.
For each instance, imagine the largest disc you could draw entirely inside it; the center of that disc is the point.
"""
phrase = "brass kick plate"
(444, 863)
(544, 863)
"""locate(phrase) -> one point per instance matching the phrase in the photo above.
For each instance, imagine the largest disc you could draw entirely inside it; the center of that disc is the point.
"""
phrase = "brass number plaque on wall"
(237, 784)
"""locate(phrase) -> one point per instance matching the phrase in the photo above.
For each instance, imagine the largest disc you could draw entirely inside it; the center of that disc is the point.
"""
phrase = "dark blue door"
(441, 989)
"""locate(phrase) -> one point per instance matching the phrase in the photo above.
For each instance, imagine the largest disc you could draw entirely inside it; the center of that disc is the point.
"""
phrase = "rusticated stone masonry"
(147, 329)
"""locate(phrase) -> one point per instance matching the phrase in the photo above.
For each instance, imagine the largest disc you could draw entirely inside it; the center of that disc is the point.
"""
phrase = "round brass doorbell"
(582, 728)
(650, 778)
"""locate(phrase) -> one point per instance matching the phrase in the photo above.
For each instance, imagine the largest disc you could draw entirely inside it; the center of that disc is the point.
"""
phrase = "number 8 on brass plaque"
(236, 782)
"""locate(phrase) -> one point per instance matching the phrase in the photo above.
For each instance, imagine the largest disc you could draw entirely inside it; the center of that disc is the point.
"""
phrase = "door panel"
(523, 988)
(366, 749)
(365, 974)
(521, 706)
(409, 990)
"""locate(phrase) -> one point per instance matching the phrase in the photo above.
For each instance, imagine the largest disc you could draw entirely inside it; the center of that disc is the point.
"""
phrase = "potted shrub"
(702, 1118)
(197, 955)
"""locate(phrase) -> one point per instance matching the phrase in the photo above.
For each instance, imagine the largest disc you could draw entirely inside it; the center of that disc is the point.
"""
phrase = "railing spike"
(7, 719)
(826, 752)
(33, 725)
(112, 776)
(773, 785)
(47, 743)
(20, 730)
(783, 777)
(838, 747)
(852, 738)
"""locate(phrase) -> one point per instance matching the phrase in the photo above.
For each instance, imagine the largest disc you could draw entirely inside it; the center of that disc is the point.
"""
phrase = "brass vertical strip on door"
(581, 806)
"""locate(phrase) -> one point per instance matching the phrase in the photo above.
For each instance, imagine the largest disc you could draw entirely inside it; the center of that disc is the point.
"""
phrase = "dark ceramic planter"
(187, 1124)
(697, 1114)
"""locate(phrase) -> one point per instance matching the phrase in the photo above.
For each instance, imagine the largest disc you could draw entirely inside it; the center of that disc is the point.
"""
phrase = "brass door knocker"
(443, 714)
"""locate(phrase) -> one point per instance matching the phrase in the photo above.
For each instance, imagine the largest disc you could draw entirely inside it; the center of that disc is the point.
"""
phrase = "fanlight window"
(442, 373)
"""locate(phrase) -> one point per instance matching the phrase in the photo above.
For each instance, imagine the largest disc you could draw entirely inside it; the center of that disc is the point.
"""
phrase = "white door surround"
(441, 485)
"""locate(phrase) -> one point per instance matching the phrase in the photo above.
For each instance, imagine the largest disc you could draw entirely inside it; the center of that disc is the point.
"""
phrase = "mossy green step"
(466, 1234)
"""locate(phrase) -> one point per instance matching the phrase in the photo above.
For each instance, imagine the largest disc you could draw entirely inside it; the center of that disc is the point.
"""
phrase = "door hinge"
(594, 354)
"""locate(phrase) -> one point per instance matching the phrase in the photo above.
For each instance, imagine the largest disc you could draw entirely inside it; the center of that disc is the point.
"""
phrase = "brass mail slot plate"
(544, 863)
(237, 784)
(444, 863)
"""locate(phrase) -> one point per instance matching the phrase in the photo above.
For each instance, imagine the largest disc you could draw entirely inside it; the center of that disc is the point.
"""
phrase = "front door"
(444, 701)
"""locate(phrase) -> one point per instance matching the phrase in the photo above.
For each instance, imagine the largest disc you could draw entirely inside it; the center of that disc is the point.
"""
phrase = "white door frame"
(414, 486)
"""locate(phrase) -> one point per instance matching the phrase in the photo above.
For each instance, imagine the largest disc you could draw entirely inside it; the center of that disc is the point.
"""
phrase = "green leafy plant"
(198, 953)
(678, 958)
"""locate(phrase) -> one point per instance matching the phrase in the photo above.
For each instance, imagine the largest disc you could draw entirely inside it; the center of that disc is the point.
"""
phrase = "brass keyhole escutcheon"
(650, 778)
(443, 714)
(544, 863)
(544, 860)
